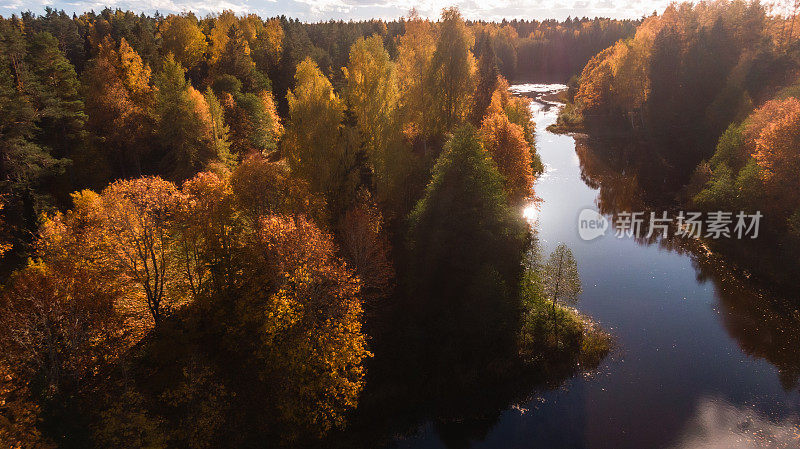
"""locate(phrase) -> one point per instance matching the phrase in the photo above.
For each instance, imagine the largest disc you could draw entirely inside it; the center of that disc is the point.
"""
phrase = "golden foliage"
(264, 188)
(218, 35)
(138, 216)
(182, 36)
(451, 77)
(274, 128)
(415, 51)
(506, 143)
(316, 147)
(273, 37)
(311, 327)
(372, 92)
(20, 415)
(774, 133)
(119, 101)
(208, 231)
(596, 78)
(61, 317)
(517, 109)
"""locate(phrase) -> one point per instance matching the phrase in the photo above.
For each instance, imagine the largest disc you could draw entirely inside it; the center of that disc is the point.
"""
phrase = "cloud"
(605, 4)
(314, 10)
(15, 5)
(720, 425)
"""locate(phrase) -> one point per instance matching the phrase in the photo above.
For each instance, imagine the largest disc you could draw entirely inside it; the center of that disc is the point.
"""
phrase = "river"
(701, 359)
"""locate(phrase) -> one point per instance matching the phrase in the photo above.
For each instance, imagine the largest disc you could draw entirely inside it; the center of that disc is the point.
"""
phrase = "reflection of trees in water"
(629, 175)
(618, 191)
(763, 325)
(462, 401)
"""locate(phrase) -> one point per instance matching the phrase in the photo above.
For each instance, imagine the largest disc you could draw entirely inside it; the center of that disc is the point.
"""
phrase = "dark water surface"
(702, 359)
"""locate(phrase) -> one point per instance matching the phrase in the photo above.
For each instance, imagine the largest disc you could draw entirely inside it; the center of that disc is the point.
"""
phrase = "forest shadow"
(759, 303)
(461, 396)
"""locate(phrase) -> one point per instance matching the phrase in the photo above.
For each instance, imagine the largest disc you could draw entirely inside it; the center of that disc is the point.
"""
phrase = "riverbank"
(769, 261)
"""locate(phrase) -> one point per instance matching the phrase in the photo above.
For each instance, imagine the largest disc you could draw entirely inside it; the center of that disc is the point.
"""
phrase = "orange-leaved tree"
(139, 219)
(303, 304)
(506, 142)
(776, 149)
(119, 102)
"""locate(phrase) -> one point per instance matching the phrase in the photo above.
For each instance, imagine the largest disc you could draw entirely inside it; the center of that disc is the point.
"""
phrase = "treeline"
(203, 270)
(710, 89)
(105, 81)
(555, 51)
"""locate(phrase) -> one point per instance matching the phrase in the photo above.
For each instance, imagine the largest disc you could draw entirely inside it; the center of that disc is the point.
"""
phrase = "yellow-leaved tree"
(415, 51)
(316, 145)
(775, 150)
(182, 37)
(451, 77)
(311, 344)
(371, 94)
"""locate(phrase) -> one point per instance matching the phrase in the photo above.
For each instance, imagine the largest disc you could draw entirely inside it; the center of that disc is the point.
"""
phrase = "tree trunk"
(555, 297)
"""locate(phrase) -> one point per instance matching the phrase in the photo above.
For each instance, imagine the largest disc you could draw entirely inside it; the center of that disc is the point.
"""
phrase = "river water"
(701, 359)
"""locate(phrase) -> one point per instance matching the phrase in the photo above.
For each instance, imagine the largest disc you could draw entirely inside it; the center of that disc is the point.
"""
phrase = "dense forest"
(217, 230)
(710, 93)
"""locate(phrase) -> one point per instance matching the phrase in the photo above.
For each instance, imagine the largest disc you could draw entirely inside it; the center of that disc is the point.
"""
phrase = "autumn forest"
(236, 231)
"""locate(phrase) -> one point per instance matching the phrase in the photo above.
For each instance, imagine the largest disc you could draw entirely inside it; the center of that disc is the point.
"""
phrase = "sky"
(316, 10)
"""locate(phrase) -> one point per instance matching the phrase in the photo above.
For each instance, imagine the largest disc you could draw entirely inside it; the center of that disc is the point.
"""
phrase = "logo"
(591, 224)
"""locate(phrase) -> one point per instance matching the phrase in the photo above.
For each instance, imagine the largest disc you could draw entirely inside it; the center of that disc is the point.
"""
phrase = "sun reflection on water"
(531, 212)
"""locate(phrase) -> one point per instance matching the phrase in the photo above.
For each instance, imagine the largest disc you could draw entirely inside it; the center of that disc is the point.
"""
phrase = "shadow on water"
(629, 176)
(765, 324)
(397, 406)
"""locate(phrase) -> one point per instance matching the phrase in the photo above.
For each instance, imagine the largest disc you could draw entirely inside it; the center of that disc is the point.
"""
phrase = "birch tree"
(561, 279)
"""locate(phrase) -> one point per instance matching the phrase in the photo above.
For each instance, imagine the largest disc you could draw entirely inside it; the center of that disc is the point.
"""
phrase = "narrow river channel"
(698, 362)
